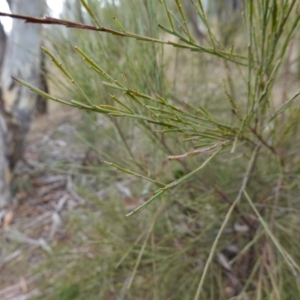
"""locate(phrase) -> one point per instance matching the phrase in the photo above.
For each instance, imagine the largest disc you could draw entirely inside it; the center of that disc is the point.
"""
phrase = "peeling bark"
(17, 104)
(41, 102)
(73, 9)
(2, 44)
(195, 20)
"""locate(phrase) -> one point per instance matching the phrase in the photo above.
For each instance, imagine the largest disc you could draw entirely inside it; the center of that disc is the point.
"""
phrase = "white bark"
(21, 60)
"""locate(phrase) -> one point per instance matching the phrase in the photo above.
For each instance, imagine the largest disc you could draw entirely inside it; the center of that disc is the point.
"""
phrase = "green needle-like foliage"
(207, 138)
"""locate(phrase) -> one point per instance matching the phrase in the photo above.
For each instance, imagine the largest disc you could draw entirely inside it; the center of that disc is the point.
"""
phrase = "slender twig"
(196, 151)
(236, 201)
(286, 78)
(263, 141)
(190, 45)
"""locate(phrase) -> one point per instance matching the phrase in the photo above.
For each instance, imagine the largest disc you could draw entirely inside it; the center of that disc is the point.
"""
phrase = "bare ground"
(33, 222)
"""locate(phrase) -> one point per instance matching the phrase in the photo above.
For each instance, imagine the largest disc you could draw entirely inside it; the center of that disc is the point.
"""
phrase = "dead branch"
(54, 21)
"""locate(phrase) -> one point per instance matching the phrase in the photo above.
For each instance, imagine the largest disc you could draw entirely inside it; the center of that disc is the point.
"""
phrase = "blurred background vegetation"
(231, 229)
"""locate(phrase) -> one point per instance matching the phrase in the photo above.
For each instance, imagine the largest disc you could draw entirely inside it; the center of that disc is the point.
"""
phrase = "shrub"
(206, 134)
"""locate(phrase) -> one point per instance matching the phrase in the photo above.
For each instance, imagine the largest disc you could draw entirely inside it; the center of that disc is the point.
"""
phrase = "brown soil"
(33, 222)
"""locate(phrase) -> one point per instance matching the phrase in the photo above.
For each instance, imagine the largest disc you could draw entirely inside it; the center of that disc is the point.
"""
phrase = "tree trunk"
(22, 59)
(226, 7)
(194, 19)
(72, 9)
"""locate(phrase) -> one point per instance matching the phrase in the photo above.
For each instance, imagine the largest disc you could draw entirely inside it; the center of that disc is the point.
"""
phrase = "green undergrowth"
(195, 141)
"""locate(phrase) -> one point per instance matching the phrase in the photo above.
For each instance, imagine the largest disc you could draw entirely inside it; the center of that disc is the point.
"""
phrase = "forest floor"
(33, 222)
